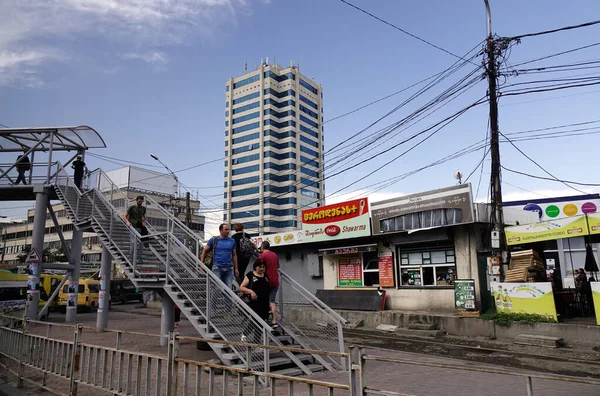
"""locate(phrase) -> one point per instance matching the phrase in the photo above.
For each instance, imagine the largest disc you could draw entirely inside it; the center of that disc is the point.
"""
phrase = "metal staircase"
(170, 262)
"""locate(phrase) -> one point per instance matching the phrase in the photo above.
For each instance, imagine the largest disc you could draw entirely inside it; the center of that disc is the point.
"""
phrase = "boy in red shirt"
(272, 272)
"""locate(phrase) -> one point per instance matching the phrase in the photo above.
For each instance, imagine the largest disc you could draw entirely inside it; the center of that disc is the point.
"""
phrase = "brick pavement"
(406, 378)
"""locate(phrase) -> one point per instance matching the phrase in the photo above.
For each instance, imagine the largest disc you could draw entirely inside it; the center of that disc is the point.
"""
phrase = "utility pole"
(188, 210)
(497, 235)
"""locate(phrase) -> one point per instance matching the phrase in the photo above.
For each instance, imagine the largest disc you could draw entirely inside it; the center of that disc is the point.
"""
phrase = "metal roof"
(60, 138)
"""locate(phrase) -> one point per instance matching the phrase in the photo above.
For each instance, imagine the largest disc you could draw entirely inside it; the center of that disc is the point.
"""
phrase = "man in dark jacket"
(80, 169)
(23, 165)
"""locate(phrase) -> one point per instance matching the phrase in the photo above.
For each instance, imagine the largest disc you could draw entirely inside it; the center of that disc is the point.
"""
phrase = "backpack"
(246, 297)
(209, 256)
(247, 248)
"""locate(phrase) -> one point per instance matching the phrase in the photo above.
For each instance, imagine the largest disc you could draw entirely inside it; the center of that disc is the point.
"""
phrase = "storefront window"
(427, 267)
(370, 269)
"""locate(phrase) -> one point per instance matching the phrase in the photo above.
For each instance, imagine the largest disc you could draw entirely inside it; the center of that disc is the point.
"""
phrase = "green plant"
(506, 319)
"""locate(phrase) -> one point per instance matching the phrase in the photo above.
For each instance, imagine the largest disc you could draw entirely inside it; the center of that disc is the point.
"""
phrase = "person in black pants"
(80, 169)
(242, 261)
(256, 284)
(177, 316)
(23, 165)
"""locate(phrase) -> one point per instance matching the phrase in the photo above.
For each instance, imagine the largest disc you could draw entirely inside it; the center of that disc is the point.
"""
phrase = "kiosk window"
(435, 267)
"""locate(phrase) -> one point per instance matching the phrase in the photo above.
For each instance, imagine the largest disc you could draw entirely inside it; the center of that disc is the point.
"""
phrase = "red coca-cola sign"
(332, 230)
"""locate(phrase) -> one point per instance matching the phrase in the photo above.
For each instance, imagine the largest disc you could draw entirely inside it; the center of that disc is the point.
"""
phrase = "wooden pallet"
(516, 275)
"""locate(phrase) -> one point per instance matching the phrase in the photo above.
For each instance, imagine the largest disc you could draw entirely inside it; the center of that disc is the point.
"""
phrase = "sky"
(149, 76)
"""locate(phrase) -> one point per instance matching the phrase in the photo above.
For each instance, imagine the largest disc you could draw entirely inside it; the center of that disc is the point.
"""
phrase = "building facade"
(273, 148)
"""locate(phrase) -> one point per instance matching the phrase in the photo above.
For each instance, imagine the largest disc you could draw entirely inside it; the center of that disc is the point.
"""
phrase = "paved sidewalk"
(410, 379)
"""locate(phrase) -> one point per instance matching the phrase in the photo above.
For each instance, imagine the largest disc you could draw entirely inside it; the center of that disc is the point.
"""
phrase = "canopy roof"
(61, 138)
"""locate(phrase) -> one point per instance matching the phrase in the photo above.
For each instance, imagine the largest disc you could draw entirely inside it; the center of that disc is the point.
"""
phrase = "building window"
(309, 183)
(244, 203)
(279, 156)
(309, 172)
(246, 138)
(427, 267)
(245, 191)
(281, 135)
(241, 215)
(243, 149)
(308, 111)
(309, 131)
(279, 190)
(280, 124)
(247, 107)
(283, 77)
(308, 204)
(247, 158)
(271, 91)
(280, 201)
(245, 180)
(282, 178)
(309, 102)
(309, 193)
(309, 141)
(307, 120)
(280, 212)
(245, 128)
(277, 167)
(309, 151)
(246, 169)
(281, 224)
(275, 103)
(246, 117)
(308, 86)
(245, 81)
(245, 98)
(425, 219)
(280, 146)
(307, 161)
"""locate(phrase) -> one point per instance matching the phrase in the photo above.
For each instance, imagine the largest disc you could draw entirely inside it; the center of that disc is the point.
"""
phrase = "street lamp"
(172, 174)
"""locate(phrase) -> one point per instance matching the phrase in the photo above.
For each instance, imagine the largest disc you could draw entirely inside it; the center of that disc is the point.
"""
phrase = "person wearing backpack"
(243, 259)
(225, 260)
(256, 285)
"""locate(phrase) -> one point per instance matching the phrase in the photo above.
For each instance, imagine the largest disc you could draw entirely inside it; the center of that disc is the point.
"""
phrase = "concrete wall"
(297, 267)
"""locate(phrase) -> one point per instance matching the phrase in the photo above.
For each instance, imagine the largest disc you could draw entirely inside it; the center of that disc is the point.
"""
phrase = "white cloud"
(33, 27)
(153, 57)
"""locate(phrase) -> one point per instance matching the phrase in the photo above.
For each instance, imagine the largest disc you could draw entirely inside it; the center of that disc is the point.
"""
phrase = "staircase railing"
(313, 323)
(224, 313)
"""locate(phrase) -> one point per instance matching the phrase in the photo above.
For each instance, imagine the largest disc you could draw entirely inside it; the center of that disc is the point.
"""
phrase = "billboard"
(435, 208)
(343, 220)
(530, 298)
(568, 227)
(554, 208)
(140, 179)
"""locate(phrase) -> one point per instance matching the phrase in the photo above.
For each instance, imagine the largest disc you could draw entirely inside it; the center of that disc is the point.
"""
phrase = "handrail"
(314, 300)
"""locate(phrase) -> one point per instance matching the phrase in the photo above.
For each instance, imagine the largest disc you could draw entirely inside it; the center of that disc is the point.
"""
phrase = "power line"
(539, 166)
(557, 54)
(524, 189)
(102, 157)
(581, 25)
(553, 179)
(403, 31)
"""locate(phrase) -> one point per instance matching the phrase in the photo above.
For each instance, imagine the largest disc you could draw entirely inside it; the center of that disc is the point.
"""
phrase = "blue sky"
(149, 75)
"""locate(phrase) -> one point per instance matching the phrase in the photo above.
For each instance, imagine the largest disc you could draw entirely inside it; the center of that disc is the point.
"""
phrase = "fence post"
(75, 362)
(363, 374)
(22, 352)
(529, 386)
(341, 343)
(266, 351)
(170, 360)
(168, 259)
(353, 368)
(208, 318)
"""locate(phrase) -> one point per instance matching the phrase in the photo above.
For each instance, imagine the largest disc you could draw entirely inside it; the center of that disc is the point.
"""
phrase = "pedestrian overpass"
(170, 263)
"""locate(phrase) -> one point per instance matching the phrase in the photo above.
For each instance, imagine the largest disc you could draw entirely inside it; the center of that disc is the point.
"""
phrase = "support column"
(37, 243)
(104, 297)
(76, 245)
(167, 319)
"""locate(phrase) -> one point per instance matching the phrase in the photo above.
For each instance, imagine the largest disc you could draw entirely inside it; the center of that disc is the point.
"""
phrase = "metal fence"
(67, 365)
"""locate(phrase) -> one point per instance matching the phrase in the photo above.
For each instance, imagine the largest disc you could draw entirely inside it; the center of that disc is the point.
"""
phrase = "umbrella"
(590, 260)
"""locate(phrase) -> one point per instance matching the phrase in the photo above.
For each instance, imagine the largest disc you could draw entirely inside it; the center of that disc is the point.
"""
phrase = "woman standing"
(256, 284)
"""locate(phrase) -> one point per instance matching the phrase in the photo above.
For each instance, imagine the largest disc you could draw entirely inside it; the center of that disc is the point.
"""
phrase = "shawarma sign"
(343, 220)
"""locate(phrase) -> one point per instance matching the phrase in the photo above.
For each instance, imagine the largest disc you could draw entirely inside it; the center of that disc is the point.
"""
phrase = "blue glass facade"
(309, 151)
(280, 201)
(289, 113)
(305, 119)
(245, 180)
(280, 124)
(309, 141)
(246, 81)
(270, 165)
(246, 117)
(279, 190)
(241, 215)
(308, 111)
(243, 149)
(247, 158)
(245, 128)
(247, 107)
(307, 161)
(246, 138)
(270, 154)
(279, 78)
(275, 103)
(277, 94)
(278, 135)
(308, 172)
(244, 203)
(245, 98)
(280, 178)
(281, 224)
(309, 193)
(309, 183)
(309, 102)
(309, 131)
(280, 146)
(245, 191)
(309, 87)
(280, 212)
(246, 169)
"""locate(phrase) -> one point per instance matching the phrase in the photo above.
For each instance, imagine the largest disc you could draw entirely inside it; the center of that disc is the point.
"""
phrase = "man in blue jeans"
(225, 263)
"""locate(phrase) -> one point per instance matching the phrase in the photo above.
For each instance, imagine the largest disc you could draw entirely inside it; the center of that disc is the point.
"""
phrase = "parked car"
(123, 291)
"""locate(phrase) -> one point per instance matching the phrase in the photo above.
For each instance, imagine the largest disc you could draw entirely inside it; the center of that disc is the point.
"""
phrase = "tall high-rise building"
(273, 148)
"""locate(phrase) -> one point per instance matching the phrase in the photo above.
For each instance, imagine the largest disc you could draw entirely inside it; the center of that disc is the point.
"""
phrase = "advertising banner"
(464, 294)
(436, 208)
(596, 299)
(553, 208)
(594, 223)
(531, 298)
(568, 227)
(386, 269)
(350, 271)
(348, 219)
(280, 239)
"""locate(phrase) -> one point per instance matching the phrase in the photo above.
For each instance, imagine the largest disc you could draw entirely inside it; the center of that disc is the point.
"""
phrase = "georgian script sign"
(348, 250)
